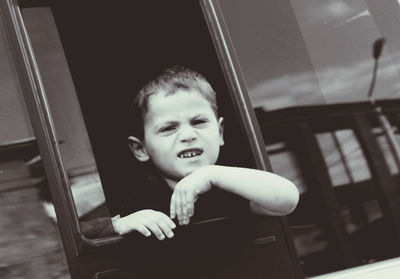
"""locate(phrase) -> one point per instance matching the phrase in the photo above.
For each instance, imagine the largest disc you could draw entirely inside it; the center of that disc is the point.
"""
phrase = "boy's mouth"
(190, 153)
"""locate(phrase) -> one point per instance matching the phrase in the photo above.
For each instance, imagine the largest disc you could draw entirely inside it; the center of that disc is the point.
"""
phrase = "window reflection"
(75, 147)
(30, 243)
(284, 161)
(308, 66)
(314, 52)
(338, 36)
(343, 157)
(385, 146)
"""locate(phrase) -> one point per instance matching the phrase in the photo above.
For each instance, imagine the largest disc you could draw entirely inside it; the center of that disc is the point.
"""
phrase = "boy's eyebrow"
(165, 123)
(199, 115)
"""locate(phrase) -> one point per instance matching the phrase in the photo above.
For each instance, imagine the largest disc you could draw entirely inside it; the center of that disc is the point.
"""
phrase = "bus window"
(80, 73)
(323, 77)
(30, 242)
(107, 132)
(75, 147)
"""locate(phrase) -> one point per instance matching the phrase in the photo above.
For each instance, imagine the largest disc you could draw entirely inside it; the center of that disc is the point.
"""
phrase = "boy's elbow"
(287, 197)
(287, 206)
(292, 199)
(284, 204)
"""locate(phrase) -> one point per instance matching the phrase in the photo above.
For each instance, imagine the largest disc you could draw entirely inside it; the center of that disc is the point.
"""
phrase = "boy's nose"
(187, 134)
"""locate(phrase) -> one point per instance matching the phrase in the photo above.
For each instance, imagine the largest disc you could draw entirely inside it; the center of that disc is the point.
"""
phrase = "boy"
(181, 137)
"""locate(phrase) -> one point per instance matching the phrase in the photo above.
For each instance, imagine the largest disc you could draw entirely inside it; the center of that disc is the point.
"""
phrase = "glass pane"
(76, 151)
(284, 162)
(384, 144)
(343, 157)
(321, 53)
(338, 36)
(309, 67)
(30, 244)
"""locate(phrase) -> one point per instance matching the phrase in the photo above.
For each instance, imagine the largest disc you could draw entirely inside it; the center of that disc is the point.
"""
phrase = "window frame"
(43, 125)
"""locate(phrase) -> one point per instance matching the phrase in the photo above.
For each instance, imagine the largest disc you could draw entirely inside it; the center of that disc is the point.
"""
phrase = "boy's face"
(181, 133)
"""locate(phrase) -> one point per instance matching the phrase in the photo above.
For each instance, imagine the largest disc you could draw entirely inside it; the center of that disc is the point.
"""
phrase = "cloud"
(337, 8)
(333, 10)
(333, 85)
(357, 16)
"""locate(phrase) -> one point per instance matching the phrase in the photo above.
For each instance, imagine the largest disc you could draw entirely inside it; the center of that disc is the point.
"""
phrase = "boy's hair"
(169, 81)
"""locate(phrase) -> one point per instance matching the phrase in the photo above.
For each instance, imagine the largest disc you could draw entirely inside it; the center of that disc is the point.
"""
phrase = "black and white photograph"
(200, 139)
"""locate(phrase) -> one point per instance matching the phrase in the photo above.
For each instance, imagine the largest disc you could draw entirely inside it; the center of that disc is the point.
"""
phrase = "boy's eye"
(198, 122)
(167, 129)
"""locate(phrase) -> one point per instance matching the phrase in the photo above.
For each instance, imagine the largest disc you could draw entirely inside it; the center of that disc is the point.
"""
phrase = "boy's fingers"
(172, 210)
(167, 220)
(185, 215)
(152, 226)
(178, 208)
(170, 223)
(164, 226)
(143, 230)
(185, 208)
(190, 200)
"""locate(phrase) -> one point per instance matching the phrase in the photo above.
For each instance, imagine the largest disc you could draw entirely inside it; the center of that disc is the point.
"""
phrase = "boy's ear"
(221, 131)
(138, 149)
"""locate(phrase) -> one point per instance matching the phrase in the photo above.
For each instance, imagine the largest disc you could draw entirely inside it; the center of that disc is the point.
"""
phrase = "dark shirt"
(154, 193)
(200, 250)
(203, 249)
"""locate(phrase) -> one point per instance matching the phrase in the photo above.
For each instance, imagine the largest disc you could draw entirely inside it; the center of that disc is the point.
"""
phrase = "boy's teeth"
(190, 154)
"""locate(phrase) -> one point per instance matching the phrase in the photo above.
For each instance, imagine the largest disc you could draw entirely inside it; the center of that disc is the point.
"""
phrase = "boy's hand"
(186, 193)
(146, 222)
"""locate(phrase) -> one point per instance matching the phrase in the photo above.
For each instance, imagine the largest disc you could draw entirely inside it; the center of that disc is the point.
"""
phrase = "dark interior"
(112, 49)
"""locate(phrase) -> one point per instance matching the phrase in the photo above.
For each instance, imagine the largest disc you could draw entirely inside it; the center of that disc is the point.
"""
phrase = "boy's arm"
(268, 193)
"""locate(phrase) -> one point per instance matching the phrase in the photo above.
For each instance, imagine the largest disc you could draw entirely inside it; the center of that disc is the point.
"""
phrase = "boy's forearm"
(268, 193)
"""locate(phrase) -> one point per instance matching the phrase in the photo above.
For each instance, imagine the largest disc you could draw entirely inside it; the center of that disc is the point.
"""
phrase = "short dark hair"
(170, 81)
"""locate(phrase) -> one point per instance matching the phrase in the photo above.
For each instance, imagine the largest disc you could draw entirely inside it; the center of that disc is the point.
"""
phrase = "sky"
(315, 51)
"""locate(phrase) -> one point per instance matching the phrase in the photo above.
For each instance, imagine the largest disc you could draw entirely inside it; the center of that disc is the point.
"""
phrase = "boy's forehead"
(166, 92)
(161, 102)
(162, 95)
